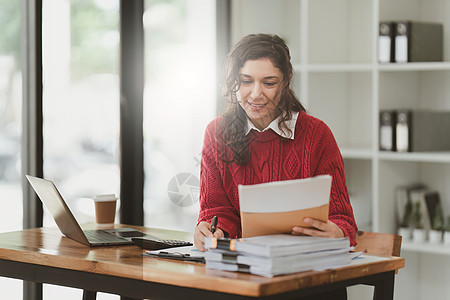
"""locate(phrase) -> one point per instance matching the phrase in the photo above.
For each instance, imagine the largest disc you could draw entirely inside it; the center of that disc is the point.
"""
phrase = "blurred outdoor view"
(179, 101)
(81, 110)
(10, 116)
(81, 101)
(10, 129)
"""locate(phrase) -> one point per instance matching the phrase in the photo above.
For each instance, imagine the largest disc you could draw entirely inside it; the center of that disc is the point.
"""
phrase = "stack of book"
(272, 255)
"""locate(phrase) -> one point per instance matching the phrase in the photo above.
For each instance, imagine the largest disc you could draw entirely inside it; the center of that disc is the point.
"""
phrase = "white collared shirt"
(274, 126)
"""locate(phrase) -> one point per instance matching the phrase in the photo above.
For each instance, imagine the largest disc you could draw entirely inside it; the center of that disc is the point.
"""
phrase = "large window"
(10, 116)
(80, 107)
(179, 101)
(10, 129)
(81, 100)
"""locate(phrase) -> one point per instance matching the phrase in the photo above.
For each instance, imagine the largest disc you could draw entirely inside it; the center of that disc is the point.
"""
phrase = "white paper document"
(289, 195)
(276, 207)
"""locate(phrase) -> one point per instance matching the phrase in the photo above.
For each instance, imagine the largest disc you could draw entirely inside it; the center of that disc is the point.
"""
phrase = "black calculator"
(154, 243)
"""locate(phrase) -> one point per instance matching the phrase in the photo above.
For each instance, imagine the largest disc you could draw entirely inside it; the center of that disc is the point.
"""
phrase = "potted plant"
(419, 234)
(437, 225)
(447, 232)
(405, 225)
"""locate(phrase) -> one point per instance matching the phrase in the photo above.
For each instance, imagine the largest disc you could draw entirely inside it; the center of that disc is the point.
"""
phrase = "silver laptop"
(50, 196)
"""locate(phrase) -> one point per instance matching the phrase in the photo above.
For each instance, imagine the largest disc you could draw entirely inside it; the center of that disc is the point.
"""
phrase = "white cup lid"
(105, 198)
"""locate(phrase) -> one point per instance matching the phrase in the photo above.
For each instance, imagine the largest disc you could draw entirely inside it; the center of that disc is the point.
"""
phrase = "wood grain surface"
(47, 246)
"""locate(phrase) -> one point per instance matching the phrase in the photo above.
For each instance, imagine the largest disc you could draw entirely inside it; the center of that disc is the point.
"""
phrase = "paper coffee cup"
(105, 209)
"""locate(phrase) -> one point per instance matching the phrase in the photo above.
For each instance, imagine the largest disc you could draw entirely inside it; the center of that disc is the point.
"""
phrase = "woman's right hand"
(204, 229)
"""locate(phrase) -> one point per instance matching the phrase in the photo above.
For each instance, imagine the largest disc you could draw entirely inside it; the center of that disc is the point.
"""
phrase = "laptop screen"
(50, 196)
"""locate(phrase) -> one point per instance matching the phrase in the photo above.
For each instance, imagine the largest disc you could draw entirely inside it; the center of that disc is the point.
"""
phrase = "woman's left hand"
(319, 228)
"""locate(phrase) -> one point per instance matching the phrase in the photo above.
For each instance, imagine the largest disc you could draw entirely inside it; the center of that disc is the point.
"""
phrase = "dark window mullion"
(32, 141)
(223, 42)
(32, 145)
(131, 112)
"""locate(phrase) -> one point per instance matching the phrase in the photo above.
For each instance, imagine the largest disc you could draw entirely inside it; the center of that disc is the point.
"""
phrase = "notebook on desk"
(69, 226)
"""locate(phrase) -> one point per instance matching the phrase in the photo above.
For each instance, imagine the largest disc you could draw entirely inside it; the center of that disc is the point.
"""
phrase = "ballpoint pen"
(214, 224)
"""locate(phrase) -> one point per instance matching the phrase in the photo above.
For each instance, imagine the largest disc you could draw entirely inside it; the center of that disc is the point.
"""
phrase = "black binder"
(386, 45)
(388, 121)
(418, 41)
(422, 130)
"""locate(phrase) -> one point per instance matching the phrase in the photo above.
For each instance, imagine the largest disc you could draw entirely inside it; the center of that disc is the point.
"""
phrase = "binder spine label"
(401, 48)
(384, 46)
(401, 42)
(402, 131)
(386, 137)
(402, 137)
(387, 130)
(386, 43)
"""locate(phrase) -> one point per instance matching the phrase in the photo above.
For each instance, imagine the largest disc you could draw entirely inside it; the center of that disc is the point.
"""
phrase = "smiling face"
(259, 92)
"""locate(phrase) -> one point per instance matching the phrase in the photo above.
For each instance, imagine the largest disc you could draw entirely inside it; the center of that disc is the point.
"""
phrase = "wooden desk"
(44, 255)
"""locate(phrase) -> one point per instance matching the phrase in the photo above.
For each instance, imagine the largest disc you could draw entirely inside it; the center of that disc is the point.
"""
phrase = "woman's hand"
(204, 229)
(319, 228)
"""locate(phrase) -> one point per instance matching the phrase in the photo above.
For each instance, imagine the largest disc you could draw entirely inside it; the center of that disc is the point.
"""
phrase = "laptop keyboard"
(100, 236)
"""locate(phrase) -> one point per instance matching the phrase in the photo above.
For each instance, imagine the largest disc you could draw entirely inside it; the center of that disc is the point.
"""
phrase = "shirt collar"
(274, 126)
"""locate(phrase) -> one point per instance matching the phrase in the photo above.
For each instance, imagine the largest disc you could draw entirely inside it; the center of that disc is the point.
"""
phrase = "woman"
(266, 135)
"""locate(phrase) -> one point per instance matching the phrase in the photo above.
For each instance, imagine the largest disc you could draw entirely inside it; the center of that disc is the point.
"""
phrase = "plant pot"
(406, 233)
(447, 238)
(419, 235)
(435, 237)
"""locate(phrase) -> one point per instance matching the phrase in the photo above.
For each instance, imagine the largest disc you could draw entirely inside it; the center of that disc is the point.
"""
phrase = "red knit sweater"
(272, 158)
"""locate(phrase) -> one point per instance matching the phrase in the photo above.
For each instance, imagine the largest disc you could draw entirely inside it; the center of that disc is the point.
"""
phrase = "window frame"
(131, 109)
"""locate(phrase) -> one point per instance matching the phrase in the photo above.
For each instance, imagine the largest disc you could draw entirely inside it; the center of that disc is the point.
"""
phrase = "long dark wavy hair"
(231, 133)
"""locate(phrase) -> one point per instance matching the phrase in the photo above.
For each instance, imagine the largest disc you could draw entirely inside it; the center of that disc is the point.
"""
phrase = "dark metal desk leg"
(32, 290)
(89, 295)
(384, 289)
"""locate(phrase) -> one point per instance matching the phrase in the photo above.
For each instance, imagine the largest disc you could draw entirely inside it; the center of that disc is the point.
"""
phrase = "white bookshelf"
(426, 248)
(338, 78)
(422, 66)
(424, 157)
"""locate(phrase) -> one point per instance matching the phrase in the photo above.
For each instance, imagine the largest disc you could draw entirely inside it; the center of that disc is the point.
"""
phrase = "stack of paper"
(277, 254)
